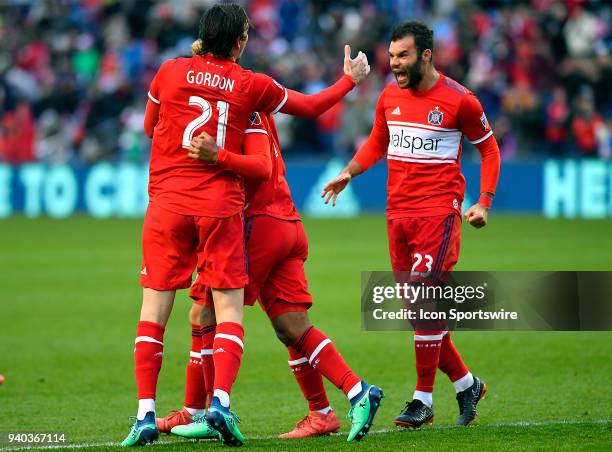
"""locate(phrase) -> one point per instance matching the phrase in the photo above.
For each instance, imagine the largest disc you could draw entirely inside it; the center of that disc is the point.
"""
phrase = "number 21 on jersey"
(207, 112)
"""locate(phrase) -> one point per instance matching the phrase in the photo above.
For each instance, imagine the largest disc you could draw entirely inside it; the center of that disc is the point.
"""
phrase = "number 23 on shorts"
(422, 264)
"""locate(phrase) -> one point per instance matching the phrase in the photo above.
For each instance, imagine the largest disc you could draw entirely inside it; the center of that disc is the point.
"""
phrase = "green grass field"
(69, 302)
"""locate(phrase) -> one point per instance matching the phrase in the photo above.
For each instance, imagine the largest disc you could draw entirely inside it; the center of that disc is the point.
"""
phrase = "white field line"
(372, 432)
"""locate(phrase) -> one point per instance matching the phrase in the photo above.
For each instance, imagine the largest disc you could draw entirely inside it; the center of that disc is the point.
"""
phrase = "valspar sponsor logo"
(417, 143)
(212, 80)
(406, 140)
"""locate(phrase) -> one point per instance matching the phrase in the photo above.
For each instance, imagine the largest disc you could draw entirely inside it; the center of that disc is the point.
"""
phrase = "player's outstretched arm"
(368, 154)
(310, 106)
(254, 164)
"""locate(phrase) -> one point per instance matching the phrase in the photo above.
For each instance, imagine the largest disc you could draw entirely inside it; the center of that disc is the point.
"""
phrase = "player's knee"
(207, 316)
(290, 326)
(194, 314)
(283, 333)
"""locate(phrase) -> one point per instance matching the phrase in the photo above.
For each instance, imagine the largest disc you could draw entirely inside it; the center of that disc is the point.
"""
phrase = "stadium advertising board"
(554, 188)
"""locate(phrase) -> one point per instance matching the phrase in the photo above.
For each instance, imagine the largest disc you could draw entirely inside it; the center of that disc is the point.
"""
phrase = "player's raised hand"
(477, 216)
(333, 188)
(357, 68)
(204, 148)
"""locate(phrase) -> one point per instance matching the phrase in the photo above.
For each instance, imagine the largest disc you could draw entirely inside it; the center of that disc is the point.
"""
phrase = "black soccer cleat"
(415, 414)
(468, 400)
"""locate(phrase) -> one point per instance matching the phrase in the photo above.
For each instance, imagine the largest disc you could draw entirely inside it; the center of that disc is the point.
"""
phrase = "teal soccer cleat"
(142, 432)
(361, 415)
(225, 422)
(198, 429)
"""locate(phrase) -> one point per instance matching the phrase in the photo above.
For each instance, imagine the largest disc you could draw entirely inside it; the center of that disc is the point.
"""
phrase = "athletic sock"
(195, 393)
(310, 382)
(323, 356)
(208, 366)
(145, 406)
(194, 411)
(425, 397)
(452, 364)
(464, 382)
(227, 356)
(148, 353)
(427, 354)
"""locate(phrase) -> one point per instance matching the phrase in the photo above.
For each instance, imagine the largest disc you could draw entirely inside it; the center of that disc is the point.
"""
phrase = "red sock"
(427, 354)
(227, 355)
(450, 360)
(195, 394)
(323, 356)
(148, 354)
(208, 366)
(309, 380)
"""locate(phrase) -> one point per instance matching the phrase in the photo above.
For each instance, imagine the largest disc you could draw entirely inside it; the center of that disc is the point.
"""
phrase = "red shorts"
(424, 244)
(173, 245)
(276, 252)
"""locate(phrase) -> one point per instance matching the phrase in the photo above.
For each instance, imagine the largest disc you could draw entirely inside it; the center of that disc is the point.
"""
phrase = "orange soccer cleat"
(172, 419)
(315, 424)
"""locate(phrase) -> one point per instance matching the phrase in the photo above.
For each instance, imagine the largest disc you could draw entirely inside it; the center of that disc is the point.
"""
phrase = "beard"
(414, 74)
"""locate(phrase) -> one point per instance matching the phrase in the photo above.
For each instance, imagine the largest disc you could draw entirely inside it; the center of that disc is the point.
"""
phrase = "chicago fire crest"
(435, 117)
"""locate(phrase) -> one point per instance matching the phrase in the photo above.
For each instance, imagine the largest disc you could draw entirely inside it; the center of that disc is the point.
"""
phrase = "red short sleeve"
(154, 94)
(473, 121)
(269, 96)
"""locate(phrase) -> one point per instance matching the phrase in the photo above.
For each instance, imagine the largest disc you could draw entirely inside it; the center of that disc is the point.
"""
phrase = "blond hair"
(196, 47)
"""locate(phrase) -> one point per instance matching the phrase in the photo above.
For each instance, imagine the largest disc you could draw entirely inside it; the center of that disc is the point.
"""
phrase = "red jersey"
(422, 133)
(270, 197)
(203, 93)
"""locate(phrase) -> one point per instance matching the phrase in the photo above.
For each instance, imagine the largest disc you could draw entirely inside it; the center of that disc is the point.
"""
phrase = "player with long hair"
(194, 217)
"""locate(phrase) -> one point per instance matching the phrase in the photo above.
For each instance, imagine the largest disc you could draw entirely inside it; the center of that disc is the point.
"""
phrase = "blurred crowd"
(74, 74)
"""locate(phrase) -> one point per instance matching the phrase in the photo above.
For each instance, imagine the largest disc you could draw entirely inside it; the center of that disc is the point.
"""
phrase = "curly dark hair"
(220, 28)
(423, 35)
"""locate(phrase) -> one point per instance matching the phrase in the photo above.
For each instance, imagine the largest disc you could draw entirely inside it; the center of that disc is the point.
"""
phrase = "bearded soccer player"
(420, 124)
(194, 217)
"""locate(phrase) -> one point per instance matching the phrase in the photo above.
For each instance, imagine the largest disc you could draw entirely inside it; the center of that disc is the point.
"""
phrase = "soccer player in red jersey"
(194, 217)
(277, 248)
(420, 124)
